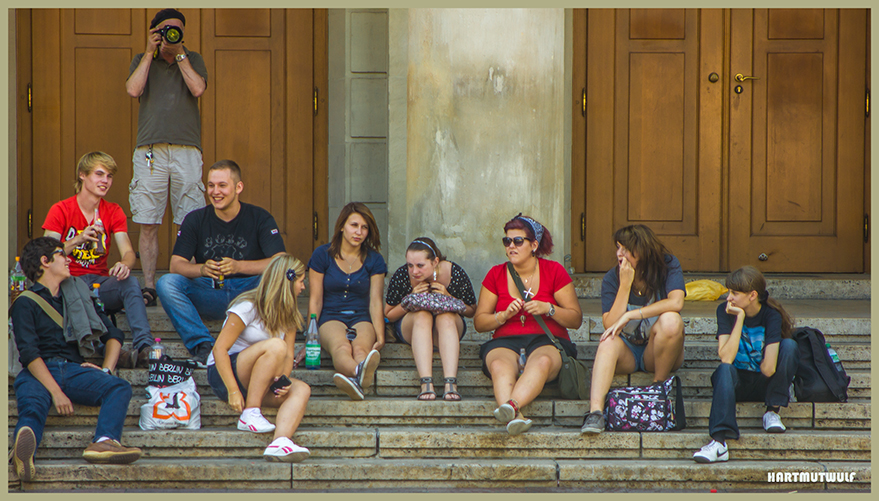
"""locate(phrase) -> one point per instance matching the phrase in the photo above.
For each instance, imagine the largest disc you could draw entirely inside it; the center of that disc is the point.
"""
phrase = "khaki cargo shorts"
(176, 169)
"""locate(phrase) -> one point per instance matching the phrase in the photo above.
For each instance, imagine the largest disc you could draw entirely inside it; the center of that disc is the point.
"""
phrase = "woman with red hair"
(501, 307)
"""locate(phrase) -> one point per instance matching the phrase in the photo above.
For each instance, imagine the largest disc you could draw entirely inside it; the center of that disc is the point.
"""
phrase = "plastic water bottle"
(834, 357)
(96, 297)
(312, 345)
(522, 359)
(99, 225)
(156, 350)
(17, 280)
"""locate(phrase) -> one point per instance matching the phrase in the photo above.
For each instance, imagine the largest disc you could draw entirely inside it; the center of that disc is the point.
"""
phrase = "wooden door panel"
(663, 167)
(791, 135)
(257, 109)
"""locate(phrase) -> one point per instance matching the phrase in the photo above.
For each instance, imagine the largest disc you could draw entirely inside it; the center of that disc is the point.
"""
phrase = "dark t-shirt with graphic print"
(758, 332)
(251, 236)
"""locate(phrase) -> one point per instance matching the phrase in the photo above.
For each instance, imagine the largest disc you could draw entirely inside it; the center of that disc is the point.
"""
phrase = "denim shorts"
(398, 330)
(528, 341)
(217, 384)
(638, 352)
(350, 319)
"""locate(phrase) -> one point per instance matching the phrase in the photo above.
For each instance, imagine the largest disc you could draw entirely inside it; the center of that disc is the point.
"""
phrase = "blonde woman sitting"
(255, 349)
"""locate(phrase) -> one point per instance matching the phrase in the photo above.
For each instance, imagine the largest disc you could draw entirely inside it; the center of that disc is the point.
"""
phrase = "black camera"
(171, 33)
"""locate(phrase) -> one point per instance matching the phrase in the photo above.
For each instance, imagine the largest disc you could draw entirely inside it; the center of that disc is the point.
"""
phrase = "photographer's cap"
(166, 14)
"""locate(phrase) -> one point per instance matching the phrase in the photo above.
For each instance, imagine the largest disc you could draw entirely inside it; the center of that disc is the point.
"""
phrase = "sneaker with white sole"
(253, 420)
(283, 450)
(349, 385)
(712, 452)
(772, 423)
(366, 369)
(593, 422)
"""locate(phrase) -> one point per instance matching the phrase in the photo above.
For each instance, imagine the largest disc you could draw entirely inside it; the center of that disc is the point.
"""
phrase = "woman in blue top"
(641, 300)
(347, 278)
(758, 360)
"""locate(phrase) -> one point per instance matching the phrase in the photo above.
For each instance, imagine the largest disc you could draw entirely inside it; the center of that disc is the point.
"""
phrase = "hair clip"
(291, 274)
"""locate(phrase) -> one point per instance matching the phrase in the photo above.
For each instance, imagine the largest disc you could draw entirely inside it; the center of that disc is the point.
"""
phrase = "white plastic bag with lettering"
(175, 406)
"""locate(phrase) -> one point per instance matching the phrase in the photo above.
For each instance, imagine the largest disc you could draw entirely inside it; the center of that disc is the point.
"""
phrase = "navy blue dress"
(346, 295)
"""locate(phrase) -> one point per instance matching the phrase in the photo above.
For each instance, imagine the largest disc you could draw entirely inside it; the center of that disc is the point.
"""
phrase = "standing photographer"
(168, 80)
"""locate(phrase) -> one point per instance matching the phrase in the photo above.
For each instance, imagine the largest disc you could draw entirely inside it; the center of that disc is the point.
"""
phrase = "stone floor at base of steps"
(421, 475)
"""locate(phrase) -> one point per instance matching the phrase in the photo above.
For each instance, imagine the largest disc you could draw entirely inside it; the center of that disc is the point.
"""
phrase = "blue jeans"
(733, 385)
(82, 385)
(185, 300)
(119, 294)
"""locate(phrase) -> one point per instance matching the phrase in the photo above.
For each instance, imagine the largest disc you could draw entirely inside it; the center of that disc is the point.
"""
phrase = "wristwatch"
(180, 57)
(551, 310)
(106, 370)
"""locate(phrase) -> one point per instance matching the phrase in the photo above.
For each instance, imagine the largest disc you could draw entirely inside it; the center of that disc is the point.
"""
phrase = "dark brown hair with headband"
(427, 245)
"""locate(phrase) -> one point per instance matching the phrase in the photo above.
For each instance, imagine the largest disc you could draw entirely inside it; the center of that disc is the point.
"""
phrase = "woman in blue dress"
(346, 278)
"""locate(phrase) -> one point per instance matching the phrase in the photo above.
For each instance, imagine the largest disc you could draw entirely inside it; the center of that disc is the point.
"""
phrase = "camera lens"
(172, 34)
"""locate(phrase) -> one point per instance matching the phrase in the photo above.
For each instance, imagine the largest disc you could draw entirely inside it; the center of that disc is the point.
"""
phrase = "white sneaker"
(283, 450)
(712, 453)
(253, 420)
(366, 369)
(772, 423)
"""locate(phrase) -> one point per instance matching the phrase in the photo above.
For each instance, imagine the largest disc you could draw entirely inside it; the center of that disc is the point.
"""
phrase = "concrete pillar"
(485, 129)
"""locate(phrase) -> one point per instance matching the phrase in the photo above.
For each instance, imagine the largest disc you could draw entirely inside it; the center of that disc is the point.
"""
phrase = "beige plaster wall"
(485, 129)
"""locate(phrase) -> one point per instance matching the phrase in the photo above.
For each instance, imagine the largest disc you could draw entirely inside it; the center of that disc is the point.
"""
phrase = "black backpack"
(817, 379)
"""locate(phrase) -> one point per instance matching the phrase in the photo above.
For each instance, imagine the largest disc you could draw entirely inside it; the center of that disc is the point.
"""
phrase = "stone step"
(404, 382)
(698, 354)
(540, 442)
(323, 412)
(839, 320)
(426, 475)
(781, 286)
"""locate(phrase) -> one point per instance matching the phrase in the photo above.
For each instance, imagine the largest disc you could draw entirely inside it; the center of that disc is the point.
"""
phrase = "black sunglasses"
(517, 240)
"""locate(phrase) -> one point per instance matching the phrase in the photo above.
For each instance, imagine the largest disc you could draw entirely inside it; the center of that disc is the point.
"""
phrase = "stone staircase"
(391, 442)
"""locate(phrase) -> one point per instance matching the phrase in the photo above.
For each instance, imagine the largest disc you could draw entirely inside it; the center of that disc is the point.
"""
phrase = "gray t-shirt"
(611, 284)
(168, 110)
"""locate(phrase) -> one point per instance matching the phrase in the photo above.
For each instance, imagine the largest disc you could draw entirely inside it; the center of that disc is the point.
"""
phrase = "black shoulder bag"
(574, 377)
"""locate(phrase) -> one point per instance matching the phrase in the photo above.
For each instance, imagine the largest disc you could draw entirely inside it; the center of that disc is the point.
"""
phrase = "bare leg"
(417, 329)
(332, 338)
(503, 365)
(291, 408)
(665, 350)
(111, 354)
(148, 246)
(612, 357)
(257, 367)
(542, 365)
(449, 327)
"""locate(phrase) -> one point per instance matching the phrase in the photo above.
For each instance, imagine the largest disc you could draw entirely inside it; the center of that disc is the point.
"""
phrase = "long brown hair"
(650, 252)
(373, 238)
(747, 279)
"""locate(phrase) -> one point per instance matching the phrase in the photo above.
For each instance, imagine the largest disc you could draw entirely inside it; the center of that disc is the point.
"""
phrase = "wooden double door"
(264, 107)
(737, 135)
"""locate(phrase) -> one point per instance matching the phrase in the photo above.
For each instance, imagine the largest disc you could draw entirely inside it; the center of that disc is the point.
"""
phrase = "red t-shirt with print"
(552, 278)
(65, 217)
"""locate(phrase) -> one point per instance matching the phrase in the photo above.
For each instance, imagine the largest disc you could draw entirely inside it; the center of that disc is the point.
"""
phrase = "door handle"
(741, 78)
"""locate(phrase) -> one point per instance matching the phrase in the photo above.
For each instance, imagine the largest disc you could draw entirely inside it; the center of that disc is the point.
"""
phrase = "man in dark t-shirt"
(54, 373)
(220, 252)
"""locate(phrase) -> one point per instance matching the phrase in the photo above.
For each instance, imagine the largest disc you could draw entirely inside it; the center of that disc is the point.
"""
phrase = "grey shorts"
(176, 169)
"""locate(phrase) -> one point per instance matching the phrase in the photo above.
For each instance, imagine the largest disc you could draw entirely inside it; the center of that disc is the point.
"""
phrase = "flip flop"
(150, 295)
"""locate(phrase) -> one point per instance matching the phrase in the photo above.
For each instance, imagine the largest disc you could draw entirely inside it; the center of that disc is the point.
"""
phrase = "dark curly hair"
(32, 254)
